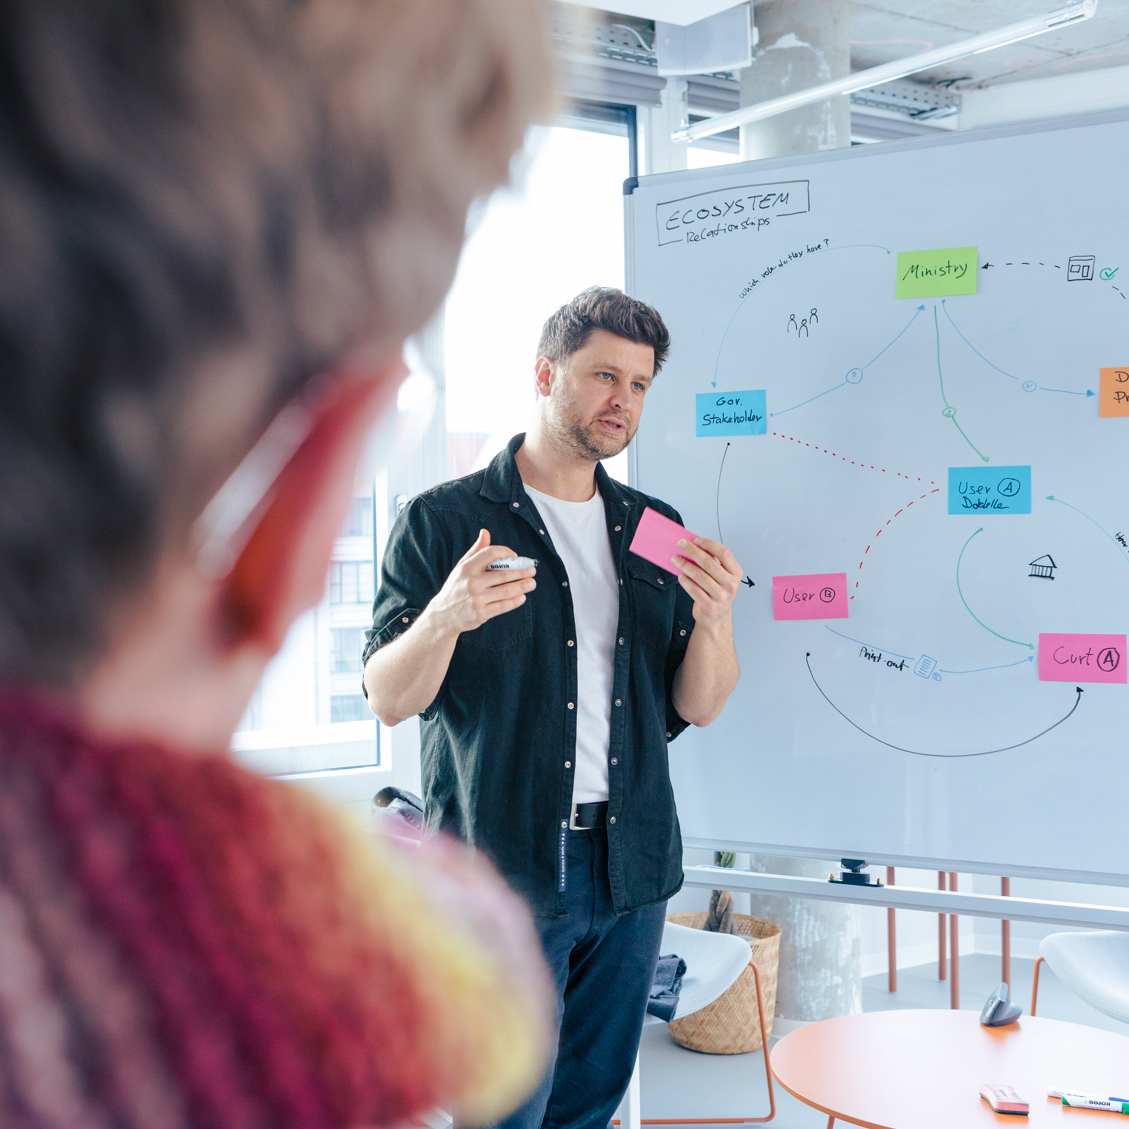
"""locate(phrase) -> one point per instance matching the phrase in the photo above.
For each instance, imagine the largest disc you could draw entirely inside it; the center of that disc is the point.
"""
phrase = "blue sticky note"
(731, 413)
(986, 490)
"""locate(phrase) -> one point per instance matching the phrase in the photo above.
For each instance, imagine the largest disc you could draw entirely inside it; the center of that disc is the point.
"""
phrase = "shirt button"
(564, 822)
(568, 764)
(660, 579)
(564, 583)
(618, 528)
(615, 760)
(612, 820)
(570, 641)
(683, 631)
(571, 706)
(517, 505)
(542, 532)
(621, 640)
(618, 702)
(404, 619)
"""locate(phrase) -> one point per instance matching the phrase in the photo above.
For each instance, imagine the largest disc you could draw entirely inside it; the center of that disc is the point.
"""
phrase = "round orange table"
(923, 1069)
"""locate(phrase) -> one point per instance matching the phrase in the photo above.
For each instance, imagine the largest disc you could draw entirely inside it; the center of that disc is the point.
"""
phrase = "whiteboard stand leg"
(954, 951)
(941, 932)
(1005, 937)
(891, 938)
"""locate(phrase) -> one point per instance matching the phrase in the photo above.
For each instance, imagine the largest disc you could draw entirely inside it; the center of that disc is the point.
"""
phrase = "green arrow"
(972, 613)
(1052, 498)
(950, 412)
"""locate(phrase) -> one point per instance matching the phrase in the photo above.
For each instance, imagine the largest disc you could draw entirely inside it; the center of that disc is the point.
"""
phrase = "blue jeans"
(603, 967)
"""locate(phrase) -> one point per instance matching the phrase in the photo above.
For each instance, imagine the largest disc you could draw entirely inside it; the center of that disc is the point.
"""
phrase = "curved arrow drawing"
(860, 371)
(1012, 376)
(950, 412)
(1052, 498)
(972, 613)
(942, 756)
(717, 496)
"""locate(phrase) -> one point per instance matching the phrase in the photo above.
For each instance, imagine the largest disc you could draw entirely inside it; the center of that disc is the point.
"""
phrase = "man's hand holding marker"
(476, 592)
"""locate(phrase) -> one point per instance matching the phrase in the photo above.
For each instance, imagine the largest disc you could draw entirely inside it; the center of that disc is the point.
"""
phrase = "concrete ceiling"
(890, 29)
(885, 30)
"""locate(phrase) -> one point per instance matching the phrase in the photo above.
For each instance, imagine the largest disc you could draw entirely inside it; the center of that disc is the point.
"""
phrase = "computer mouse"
(999, 1010)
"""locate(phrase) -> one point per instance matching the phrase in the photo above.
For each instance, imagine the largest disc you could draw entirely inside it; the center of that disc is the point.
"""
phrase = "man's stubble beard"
(574, 435)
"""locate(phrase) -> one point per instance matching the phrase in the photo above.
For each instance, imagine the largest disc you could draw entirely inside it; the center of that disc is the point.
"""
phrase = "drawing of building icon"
(1080, 268)
(1044, 567)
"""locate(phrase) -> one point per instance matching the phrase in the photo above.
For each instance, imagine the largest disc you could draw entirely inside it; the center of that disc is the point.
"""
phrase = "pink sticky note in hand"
(656, 539)
(822, 595)
(1081, 658)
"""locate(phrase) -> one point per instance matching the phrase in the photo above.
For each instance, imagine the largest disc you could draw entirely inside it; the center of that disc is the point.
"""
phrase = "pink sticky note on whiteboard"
(656, 539)
(1082, 658)
(822, 595)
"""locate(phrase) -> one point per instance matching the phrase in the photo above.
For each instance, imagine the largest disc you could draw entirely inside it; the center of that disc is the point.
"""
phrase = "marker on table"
(1090, 1101)
(511, 563)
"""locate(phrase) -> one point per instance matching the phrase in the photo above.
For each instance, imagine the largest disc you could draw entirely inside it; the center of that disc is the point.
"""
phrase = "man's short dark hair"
(603, 307)
(204, 204)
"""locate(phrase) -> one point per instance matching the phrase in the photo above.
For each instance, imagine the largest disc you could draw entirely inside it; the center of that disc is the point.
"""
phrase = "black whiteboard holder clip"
(854, 874)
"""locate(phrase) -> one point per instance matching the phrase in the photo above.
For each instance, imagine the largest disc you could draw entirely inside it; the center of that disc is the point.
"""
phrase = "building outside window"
(351, 582)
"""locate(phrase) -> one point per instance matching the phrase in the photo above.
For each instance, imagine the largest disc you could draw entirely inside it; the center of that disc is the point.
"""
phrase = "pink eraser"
(1004, 1099)
(656, 539)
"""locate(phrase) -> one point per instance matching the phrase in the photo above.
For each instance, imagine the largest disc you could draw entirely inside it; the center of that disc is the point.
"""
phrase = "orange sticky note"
(1114, 392)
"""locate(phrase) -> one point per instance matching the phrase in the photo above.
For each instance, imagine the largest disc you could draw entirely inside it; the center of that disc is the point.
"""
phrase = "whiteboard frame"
(963, 866)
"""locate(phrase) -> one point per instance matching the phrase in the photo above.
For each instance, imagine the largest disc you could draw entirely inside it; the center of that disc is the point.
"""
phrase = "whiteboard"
(923, 727)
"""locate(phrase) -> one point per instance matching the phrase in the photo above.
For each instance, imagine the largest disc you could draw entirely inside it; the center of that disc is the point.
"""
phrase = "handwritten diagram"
(938, 364)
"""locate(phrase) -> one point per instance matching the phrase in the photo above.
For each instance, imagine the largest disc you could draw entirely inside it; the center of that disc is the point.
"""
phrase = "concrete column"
(660, 153)
(802, 43)
(820, 946)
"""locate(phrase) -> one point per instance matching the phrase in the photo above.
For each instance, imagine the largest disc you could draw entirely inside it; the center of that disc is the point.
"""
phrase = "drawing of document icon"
(925, 666)
(1080, 268)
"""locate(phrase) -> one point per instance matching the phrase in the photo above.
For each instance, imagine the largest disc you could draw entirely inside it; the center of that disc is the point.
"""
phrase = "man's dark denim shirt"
(499, 740)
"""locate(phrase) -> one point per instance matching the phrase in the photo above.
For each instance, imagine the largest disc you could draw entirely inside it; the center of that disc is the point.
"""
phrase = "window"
(351, 582)
(348, 707)
(534, 247)
(346, 645)
(358, 522)
(307, 713)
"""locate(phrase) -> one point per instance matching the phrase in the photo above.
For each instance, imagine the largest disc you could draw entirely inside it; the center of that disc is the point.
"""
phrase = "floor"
(677, 1083)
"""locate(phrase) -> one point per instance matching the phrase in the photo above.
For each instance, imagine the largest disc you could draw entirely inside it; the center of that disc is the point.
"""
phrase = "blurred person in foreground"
(219, 220)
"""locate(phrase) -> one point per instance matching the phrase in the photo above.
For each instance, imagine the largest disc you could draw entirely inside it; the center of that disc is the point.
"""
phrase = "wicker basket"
(730, 1025)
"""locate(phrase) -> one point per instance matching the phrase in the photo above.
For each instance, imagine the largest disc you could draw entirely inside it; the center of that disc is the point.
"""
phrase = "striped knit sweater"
(184, 944)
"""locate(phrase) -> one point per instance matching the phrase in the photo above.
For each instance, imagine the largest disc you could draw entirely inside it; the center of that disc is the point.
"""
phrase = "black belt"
(587, 817)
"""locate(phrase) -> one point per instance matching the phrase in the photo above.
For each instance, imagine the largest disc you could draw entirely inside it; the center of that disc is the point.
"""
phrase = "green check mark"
(1109, 272)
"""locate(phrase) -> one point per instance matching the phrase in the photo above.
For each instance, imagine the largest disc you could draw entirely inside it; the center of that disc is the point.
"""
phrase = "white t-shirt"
(580, 535)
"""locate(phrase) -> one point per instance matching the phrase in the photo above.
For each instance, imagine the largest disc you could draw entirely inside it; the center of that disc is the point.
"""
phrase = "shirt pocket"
(503, 631)
(653, 593)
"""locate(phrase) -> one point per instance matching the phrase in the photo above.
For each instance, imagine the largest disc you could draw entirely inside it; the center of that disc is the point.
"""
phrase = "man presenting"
(547, 704)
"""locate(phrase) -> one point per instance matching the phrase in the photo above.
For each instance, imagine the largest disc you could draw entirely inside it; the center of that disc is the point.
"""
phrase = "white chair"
(1095, 965)
(713, 963)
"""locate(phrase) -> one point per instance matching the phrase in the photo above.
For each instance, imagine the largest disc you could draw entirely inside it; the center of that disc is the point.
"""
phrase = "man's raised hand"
(711, 575)
(471, 595)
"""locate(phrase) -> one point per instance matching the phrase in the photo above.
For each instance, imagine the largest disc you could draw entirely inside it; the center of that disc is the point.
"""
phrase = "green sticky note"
(936, 274)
